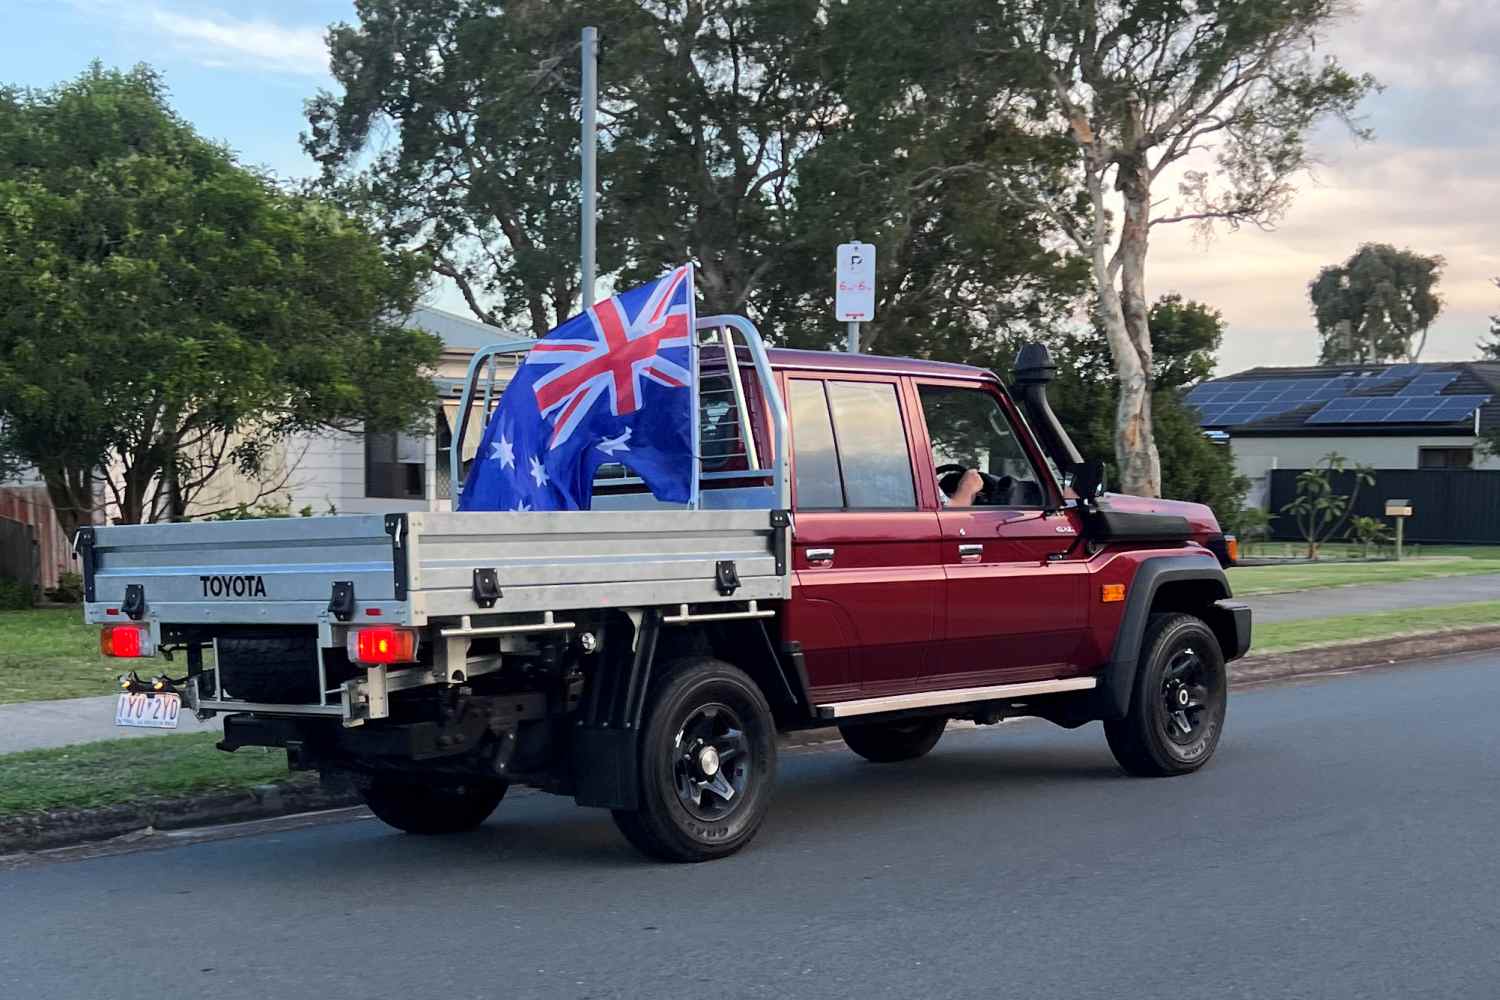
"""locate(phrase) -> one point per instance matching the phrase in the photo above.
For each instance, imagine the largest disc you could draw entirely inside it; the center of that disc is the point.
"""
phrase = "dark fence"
(18, 552)
(1448, 505)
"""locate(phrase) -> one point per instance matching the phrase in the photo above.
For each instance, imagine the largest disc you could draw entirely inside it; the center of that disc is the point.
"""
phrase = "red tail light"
(126, 640)
(382, 644)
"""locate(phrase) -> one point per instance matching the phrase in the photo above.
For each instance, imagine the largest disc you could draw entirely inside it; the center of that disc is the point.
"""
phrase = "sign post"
(1400, 509)
(854, 288)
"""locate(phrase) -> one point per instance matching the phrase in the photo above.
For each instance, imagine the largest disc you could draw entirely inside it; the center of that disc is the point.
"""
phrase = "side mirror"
(1088, 479)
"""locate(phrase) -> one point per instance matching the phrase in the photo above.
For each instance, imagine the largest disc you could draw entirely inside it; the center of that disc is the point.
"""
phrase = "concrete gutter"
(62, 828)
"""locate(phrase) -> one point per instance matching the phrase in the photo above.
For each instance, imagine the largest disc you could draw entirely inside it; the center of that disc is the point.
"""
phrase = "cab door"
(867, 601)
(1015, 581)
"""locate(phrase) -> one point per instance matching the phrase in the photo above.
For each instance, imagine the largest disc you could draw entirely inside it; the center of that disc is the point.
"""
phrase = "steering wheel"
(994, 491)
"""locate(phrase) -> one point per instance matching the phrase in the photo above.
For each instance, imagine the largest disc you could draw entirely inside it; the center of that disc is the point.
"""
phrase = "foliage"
(1137, 87)
(266, 508)
(1317, 509)
(1185, 339)
(170, 313)
(748, 137)
(1251, 525)
(1377, 305)
(69, 589)
(15, 595)
(1490, 349)
(1368, 531)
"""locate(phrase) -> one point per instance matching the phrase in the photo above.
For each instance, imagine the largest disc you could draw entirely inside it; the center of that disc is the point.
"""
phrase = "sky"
(240, 71)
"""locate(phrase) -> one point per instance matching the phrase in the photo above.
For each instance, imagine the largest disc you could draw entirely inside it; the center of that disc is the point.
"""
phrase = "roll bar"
(780, 468)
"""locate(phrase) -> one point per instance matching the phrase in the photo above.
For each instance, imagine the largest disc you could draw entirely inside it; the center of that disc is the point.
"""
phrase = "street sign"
(854, 286)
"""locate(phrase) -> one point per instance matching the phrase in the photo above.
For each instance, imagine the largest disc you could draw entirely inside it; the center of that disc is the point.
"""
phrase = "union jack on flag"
(613, 384)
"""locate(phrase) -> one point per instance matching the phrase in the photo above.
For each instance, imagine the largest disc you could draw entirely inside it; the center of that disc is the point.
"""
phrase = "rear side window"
(818, 482)
(872, 445)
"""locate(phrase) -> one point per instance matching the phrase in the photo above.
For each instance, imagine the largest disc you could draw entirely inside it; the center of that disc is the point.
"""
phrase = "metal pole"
(853, 342)
(590, 146)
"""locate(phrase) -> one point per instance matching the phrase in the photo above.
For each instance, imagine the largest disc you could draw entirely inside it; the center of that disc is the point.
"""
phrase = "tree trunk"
(1135, 442)
(72, 494)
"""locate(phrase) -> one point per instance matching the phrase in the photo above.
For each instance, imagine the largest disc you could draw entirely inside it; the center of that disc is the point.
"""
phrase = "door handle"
(971, 551)
(820, 557)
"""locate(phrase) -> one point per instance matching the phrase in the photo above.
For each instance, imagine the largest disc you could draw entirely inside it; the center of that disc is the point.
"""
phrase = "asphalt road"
(1341, 845)
(1331, 602)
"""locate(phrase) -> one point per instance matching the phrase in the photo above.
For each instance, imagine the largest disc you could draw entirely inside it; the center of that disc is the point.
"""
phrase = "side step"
(953, 696)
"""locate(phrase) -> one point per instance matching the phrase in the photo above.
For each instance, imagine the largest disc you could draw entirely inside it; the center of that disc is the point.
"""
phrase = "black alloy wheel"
(1177, 706)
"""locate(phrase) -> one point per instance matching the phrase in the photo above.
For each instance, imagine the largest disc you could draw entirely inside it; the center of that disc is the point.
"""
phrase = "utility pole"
(590, 146)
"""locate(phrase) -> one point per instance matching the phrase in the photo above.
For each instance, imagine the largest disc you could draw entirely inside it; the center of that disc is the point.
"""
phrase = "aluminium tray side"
(591, 559)
(271, 570)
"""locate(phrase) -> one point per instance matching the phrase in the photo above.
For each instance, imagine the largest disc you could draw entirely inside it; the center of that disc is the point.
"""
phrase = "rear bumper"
(1235, 617)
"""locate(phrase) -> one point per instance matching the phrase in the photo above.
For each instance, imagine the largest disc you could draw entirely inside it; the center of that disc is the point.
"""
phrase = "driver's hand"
(967, 489)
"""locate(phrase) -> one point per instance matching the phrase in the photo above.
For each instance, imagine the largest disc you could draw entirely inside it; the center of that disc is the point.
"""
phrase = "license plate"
(148, 711)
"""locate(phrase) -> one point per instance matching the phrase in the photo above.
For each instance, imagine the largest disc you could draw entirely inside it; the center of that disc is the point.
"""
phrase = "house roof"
(1426, 398)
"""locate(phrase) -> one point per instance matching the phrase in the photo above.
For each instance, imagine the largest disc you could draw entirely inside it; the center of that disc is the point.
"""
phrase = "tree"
(1318, 509)
(168, 313)
(1490, 349)
(1376, 306)
(750, 137)
(1138, 87)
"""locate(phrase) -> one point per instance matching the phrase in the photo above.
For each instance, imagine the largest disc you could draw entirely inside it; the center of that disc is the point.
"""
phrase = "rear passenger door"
(869, 582)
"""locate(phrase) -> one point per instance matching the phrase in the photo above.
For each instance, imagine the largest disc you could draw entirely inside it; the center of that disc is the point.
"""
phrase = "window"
(850, 446)
(872, 445)
(818, 483)
(968, 428)
(393, 466)
(1445, 458)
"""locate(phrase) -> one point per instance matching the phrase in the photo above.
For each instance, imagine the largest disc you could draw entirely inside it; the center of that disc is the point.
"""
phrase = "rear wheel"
(889, 742)
(1177, 707)
(415, 807)
(707, 761)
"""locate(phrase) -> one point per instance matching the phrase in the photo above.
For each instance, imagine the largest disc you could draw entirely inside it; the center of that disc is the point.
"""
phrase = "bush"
(69, 589)
(15, 595)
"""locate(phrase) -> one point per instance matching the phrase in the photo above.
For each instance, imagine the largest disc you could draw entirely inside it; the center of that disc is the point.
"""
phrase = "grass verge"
(49, 653)
(1283, 637)
(116, 771)
(1250, 580)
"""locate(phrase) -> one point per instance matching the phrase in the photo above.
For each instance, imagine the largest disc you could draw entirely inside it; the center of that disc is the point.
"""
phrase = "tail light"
(126, 641)
(382, 644)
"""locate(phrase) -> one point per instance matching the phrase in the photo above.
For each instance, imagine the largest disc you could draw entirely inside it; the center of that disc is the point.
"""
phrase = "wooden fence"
(45, 549)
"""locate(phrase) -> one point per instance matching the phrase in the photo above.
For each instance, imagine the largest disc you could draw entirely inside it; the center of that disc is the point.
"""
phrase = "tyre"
(276, 669)
(707, 763)
(1177, 706)
(411, 805)
(888, 742)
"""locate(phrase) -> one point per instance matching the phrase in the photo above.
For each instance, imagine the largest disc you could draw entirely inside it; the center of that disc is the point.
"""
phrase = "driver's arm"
(967, 489)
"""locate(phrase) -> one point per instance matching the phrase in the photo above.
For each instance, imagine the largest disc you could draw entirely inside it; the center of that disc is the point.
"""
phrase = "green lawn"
(1250, 580)
(1284, 637)
(50, 653)
(114, 771)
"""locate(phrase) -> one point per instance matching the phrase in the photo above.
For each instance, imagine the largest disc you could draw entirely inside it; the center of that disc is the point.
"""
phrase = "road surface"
(1331, 602)
(1343, 844)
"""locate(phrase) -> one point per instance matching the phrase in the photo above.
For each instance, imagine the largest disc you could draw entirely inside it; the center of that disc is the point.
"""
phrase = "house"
(1398, 416)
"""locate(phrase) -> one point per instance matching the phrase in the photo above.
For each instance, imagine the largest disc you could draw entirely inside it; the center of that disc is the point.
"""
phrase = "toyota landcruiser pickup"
(878, 544)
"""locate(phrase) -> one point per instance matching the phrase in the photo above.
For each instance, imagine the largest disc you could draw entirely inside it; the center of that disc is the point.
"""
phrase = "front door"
(867, 604)
(1015, 581)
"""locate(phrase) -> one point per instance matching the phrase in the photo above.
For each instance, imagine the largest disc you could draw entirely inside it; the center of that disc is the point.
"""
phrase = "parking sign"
(854, 285)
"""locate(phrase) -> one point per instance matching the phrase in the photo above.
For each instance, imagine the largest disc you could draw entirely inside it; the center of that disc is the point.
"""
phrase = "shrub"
(15, 595)
(69, 589)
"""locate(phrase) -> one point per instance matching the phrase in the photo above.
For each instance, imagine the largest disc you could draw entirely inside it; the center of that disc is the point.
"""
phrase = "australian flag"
(610, 385)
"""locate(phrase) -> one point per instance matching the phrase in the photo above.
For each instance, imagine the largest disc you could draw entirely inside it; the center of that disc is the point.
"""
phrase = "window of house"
(850, 446)
(968, 428)
(1445, 458)
(394, 465)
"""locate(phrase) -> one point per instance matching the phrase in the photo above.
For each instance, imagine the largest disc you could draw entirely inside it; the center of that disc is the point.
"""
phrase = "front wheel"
(707, 761)
(1177, 707)
(411, 805)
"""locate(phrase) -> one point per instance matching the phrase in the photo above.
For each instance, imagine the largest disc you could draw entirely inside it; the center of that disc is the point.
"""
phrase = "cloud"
(223, 39)
(1428, 182)
(220, 40)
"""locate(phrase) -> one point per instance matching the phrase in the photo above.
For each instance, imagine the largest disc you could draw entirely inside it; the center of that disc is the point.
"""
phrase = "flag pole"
(589, 143)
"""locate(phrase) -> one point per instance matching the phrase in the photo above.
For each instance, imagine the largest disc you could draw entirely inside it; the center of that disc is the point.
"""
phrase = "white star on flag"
(522, 505)
(504, 452)
(611, 445)
(538, 473)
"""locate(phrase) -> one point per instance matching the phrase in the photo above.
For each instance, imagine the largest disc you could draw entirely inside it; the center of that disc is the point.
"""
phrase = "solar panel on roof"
(1403, 371)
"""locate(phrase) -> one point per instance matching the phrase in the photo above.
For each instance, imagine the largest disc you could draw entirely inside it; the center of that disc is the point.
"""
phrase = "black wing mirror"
(1088, 479)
